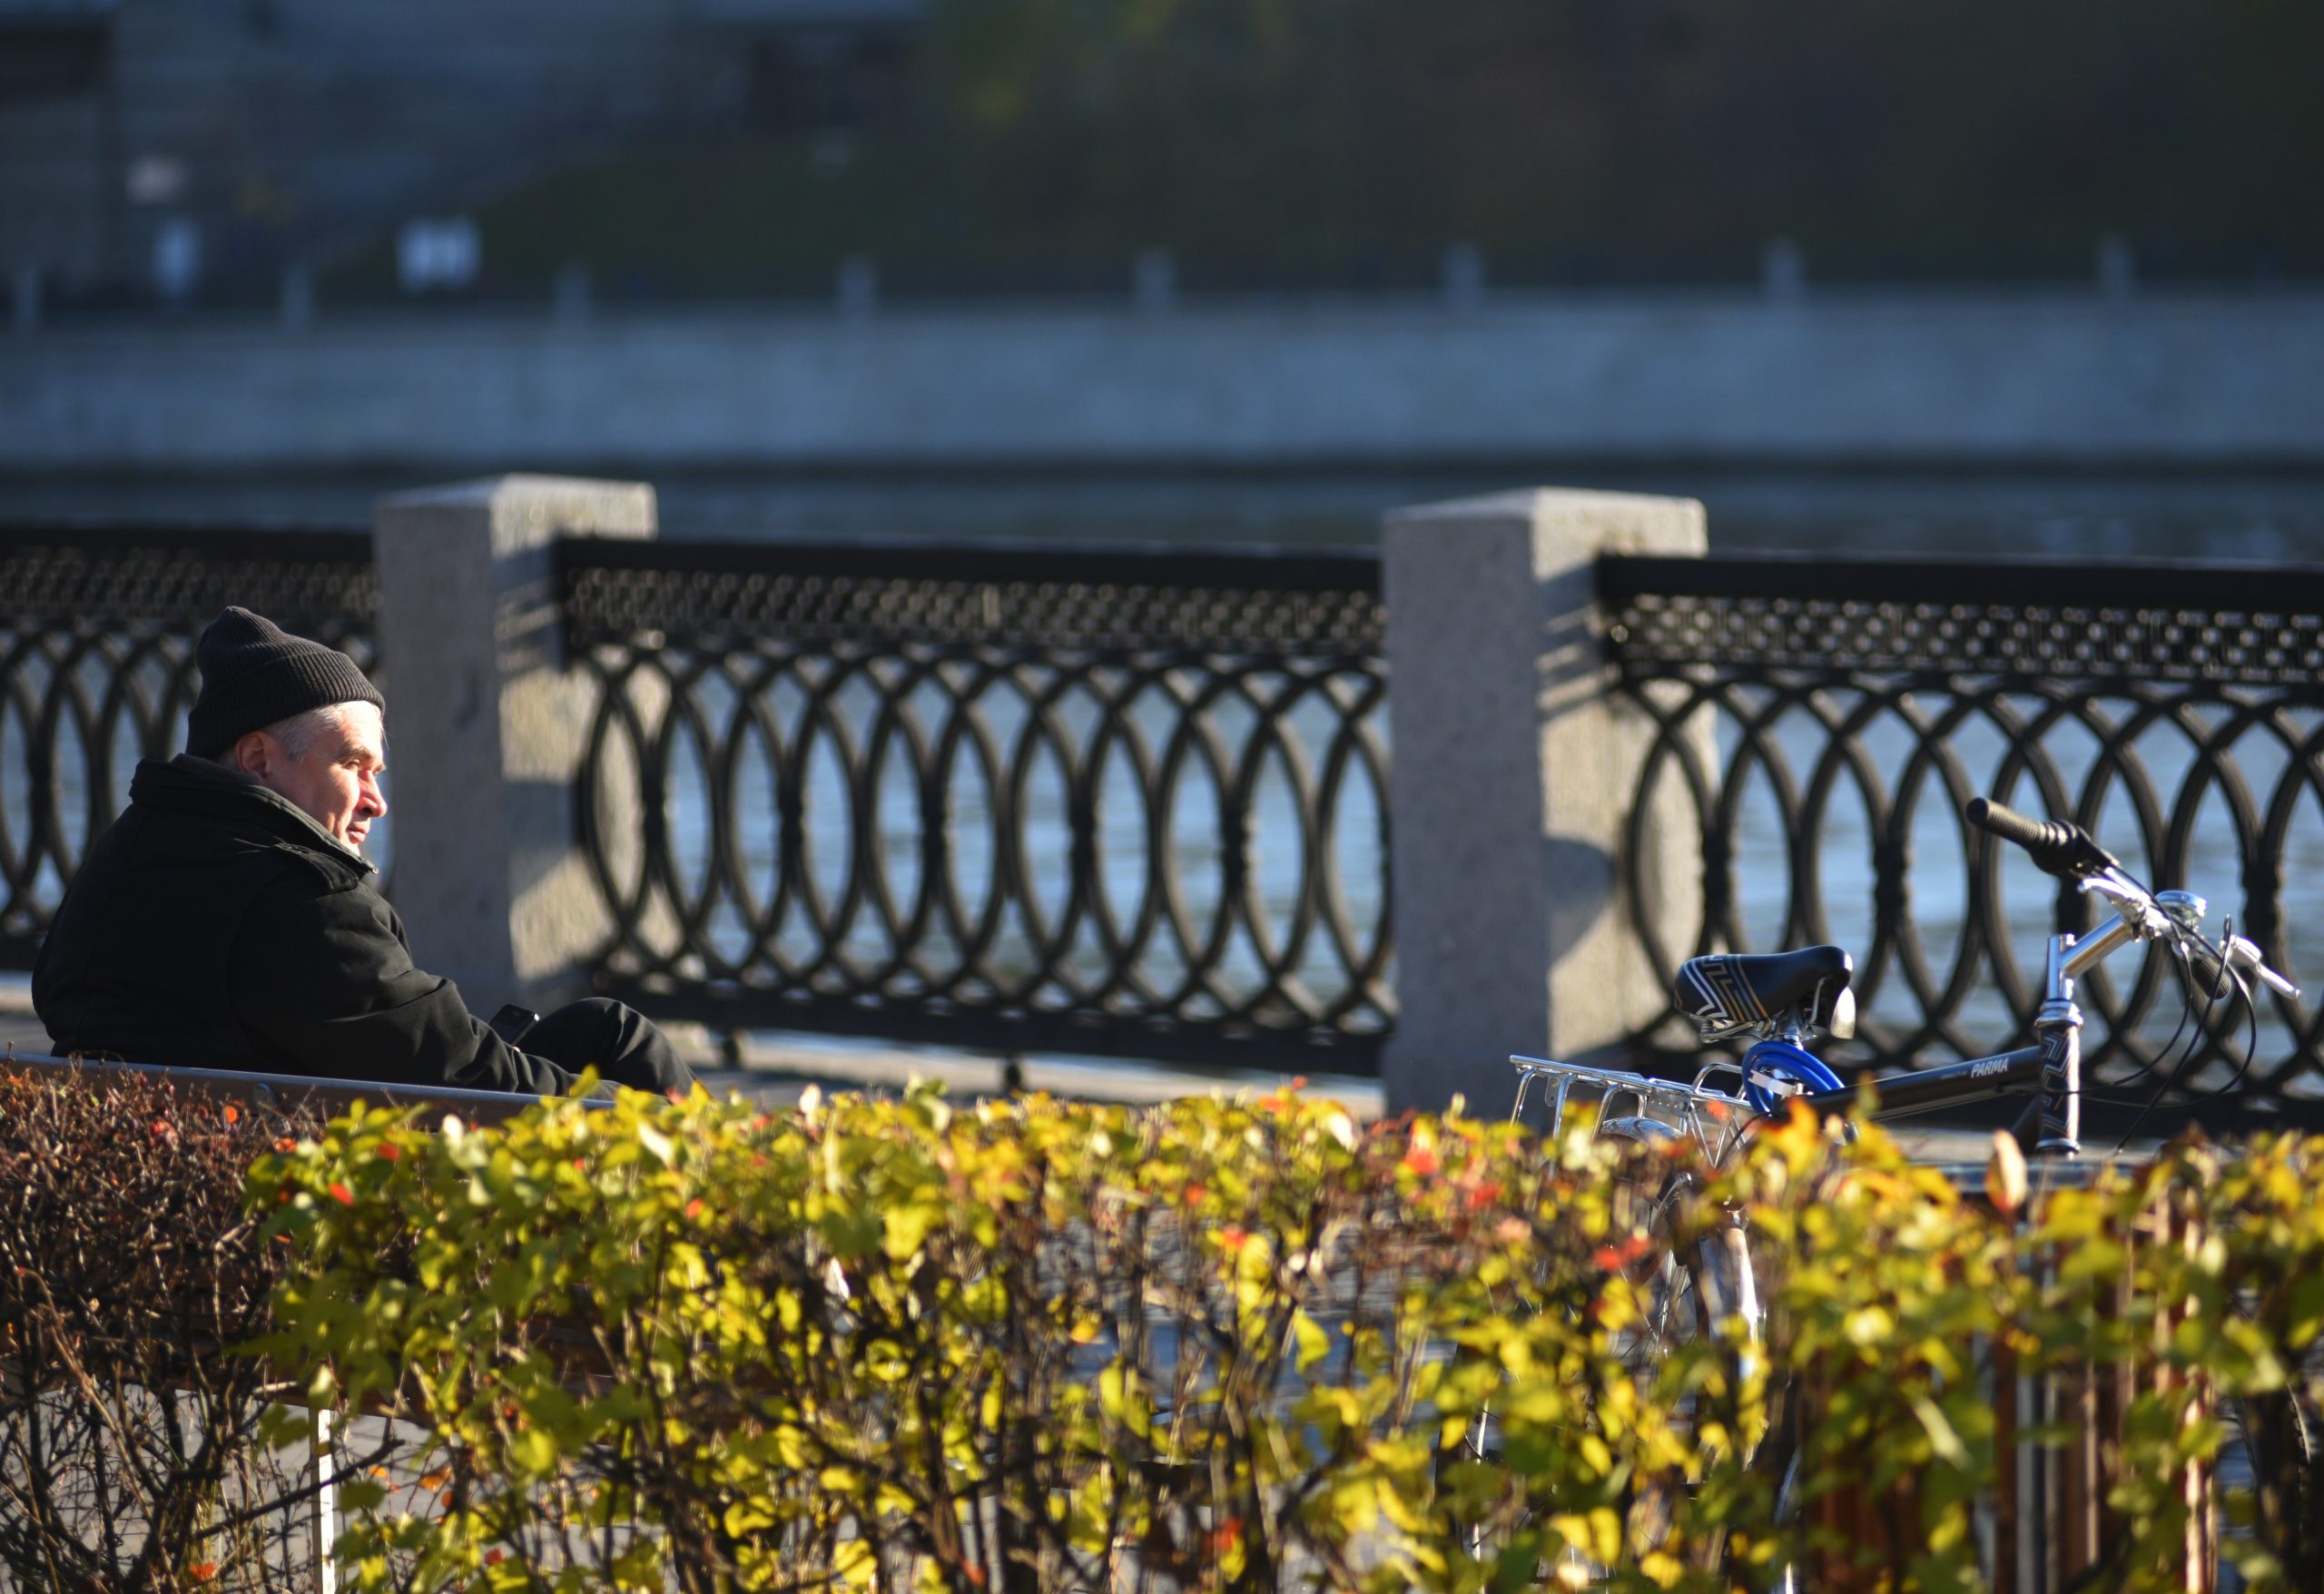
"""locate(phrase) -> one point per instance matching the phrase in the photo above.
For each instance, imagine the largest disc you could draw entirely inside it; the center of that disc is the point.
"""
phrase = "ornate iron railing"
(1825, 720)
(97, 672)
(1137, 803)
(1105, 802)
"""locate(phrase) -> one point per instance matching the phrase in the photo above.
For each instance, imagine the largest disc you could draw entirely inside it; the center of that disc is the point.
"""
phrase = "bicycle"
(1781, 1002)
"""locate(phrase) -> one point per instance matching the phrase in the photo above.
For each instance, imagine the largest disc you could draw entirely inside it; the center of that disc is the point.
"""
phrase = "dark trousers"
(620, 1042)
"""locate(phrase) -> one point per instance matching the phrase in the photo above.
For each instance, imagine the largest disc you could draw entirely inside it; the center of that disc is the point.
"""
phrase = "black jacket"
(215, 925)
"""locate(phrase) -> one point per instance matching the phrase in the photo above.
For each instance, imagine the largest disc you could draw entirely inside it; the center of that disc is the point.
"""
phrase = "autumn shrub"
(2169, 1313)
(2230, 1291)
(134, 1447)
(1219, 1344)
(1021, 1345)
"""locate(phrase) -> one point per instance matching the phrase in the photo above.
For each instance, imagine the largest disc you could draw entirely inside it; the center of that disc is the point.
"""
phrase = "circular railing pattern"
(1812, 728)
(1137, 803)
(1169, 853)
(1815, 801)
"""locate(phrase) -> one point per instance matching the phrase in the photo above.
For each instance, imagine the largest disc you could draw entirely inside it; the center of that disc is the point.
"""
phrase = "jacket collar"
(187, 784)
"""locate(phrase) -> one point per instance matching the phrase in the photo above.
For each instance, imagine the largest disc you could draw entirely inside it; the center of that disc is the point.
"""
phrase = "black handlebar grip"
(2055, 846)
(2036, 835)
(2215, 979)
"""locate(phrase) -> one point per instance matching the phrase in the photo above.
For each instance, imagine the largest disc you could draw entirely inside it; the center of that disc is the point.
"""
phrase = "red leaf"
(694, 1208)
(342, 1195)
(1611, 1257)
(390, 1152)
(1422, 1161)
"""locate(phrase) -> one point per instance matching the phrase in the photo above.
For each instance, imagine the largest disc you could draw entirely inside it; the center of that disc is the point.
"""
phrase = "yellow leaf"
(1313, 1344)
(1941, 1435)
(665, 1149)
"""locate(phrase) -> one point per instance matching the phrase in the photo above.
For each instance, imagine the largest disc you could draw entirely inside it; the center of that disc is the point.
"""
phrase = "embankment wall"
(2056, 379)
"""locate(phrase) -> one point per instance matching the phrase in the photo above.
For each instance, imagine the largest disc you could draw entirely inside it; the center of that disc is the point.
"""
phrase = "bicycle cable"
(2252, 1019)
(2163, 1053)
(2244, 992)
(2170, 1075)
(2212, 994)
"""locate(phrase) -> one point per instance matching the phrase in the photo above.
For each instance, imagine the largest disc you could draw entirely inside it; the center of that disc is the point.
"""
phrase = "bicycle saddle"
(1728, 992)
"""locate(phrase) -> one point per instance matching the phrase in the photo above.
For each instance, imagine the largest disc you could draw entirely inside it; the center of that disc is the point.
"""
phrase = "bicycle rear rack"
(1656, 1108)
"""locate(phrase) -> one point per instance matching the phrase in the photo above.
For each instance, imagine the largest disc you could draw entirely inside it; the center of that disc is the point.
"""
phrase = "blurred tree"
(1644, 137)
(1347, 143)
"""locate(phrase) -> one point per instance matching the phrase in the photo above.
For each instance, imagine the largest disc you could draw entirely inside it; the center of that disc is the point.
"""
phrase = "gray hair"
(298, 733)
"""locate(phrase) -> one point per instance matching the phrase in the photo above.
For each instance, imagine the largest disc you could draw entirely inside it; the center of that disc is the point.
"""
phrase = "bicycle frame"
(1777, 1068)
(2053, 1060)
(1716, 1120)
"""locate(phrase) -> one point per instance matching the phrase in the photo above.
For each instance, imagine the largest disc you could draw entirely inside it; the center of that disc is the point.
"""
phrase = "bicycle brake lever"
(2246, 956)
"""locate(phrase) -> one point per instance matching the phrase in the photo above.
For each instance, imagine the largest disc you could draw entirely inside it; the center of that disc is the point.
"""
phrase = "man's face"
(335, 780)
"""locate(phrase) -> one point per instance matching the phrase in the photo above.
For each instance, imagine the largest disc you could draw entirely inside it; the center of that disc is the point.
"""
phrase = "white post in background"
(297, 297)
(574, 293)
(1462, 274)
(322, 1526)
(859, 286)
(487, 727)
(1783, 271)
(1515, 768)
(24, 289)
(1153, 283)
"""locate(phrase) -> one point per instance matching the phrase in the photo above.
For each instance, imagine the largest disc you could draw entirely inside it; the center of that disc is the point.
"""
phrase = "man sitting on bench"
(228, 918)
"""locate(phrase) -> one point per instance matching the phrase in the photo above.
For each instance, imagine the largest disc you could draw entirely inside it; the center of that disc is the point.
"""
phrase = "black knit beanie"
(254, 674)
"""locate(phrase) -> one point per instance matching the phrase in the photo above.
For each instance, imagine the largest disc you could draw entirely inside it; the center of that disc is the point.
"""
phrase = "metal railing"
(1111, 802)
(1825, 720)
(1136, 803)
(97, 628)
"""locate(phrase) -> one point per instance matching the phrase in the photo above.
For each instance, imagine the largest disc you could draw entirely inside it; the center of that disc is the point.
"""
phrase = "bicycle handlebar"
(2061, 848)
(2209, 970)
(2057, 846)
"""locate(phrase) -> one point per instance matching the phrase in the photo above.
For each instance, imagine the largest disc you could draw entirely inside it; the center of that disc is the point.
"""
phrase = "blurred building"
(173, 148)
